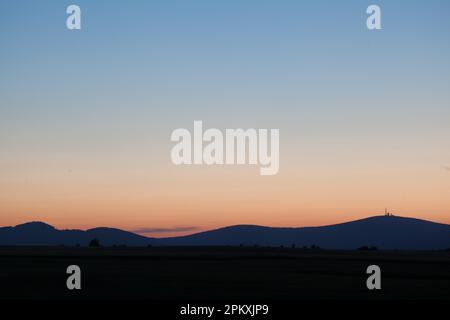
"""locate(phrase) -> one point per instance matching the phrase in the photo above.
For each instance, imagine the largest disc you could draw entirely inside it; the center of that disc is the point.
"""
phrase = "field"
(220, 273)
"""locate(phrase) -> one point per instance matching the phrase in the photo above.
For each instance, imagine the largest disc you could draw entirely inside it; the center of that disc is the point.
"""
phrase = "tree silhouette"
(94, 243)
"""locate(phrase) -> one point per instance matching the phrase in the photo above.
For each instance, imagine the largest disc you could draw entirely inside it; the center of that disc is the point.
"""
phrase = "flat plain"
(220, 273)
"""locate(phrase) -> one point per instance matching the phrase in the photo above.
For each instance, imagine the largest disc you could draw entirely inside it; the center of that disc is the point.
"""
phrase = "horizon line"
(226, 226)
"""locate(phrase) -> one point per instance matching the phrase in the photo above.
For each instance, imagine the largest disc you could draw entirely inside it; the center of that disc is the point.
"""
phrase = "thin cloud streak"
(164, 230)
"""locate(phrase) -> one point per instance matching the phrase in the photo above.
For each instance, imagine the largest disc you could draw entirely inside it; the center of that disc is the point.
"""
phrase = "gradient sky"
(86, 116)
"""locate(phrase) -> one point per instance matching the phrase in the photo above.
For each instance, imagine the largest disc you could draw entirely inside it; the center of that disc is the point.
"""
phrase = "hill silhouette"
(42, 234)
(383, 232)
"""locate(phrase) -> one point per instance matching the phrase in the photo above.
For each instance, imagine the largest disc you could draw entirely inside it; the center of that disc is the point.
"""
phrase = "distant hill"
(42, 234)
(383, 232)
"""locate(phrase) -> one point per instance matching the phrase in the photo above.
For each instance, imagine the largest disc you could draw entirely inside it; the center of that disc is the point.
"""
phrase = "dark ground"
(203, 273)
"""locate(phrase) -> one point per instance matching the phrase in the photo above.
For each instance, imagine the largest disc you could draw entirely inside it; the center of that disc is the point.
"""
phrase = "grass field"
(203, 273)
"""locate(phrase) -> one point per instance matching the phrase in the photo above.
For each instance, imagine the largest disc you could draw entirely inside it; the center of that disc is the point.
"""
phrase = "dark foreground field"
(189, 273)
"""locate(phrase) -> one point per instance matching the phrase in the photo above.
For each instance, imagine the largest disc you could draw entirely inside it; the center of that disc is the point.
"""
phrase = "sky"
(86, 115)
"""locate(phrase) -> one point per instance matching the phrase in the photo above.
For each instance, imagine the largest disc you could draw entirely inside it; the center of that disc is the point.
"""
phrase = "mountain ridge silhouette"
(383, 232)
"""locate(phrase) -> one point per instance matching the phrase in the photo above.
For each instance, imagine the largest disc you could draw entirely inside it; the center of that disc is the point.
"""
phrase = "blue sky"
(212, 58)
